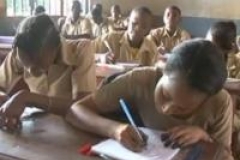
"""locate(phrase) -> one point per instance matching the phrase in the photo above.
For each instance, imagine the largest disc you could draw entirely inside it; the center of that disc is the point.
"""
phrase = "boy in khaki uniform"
(57, 72)
(187, 109)
(223, 35)
(170, 35)
(116, 22)
(76, 26)
(130, 46)
(99, 24)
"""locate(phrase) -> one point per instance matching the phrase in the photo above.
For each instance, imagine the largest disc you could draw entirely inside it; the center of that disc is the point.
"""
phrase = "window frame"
(64, 8)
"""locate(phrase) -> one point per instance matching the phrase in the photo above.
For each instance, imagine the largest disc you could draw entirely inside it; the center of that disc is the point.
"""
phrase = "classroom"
(119, 80)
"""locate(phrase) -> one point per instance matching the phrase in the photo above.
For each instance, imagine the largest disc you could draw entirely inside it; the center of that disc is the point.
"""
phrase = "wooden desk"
(46, 138)
(49, 137)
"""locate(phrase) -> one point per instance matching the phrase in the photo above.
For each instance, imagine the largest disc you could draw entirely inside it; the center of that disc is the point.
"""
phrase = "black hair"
(176, 8)
(77, 3)
(116, 6)
(142, 10)
(39, 10)
(224, 34)
(36, 32)
(96, 12)
(201, 63)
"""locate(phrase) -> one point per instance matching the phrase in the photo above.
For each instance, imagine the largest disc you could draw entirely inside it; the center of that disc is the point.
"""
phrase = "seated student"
(76, 26)
(39, 10)
(171, 34)
(116, 22)
(175, 100)
(223, 35)
(56, 71)
(131, 45)
(98, 23)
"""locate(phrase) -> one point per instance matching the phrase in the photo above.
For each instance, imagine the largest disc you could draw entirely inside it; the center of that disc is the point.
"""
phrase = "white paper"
(154, 150)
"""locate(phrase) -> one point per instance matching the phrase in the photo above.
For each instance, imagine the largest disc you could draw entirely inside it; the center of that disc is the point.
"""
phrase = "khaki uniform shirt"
(81, 26)
(117, 42)
(162, 39)
(120, 23)
(72, 72)
(137, 88)
(99, 29)
(233, 66)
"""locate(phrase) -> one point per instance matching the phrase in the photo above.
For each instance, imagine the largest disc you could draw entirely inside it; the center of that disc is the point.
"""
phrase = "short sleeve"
(84, 74)
(110, 94)
(221, 130)
(185, 36)
(10, 70)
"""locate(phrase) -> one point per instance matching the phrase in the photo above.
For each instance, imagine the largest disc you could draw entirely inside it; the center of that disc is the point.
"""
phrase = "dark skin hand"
(183, 136)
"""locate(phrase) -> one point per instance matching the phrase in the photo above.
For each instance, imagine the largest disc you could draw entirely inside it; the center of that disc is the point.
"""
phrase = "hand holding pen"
(129, 135)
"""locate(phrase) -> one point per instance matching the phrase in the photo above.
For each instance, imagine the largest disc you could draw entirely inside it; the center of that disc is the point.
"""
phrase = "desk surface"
(48, 137)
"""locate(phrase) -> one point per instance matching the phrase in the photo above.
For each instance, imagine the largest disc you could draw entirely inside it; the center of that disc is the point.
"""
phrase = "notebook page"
(154, 150)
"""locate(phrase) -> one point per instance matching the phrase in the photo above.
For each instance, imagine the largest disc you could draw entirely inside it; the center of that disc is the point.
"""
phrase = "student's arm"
(87, 114)
(11, 79)
(233, 86)
(13, 108)
(222, 128)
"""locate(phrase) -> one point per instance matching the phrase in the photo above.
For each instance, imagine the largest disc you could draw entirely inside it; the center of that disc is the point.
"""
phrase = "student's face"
(76, 10)
(40, 63)
(174, 97)
(171, 18)
(139, 26)
(115, 12)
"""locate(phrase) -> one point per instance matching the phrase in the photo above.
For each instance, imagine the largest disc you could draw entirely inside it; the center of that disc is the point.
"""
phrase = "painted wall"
(198, 15)
(190, 8)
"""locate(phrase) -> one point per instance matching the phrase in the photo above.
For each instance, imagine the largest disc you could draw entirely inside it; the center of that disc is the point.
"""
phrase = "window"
(53, 7)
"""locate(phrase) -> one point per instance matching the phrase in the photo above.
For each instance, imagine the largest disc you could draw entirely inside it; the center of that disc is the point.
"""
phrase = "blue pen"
(129, 116)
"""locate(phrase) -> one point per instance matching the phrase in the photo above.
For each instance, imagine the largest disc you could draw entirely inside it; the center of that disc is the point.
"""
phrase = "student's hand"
(11, 111)
(110, 57)
(162, 50)
(128, 137)
(186, 135)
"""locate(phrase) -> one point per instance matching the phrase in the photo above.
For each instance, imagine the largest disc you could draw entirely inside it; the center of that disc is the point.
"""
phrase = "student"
(131, 45)
(175, 100)
(57, 72)
(116, 22)
(98, 23)
(39, 10)
(76, 26)
(223, 35)
(171, 34)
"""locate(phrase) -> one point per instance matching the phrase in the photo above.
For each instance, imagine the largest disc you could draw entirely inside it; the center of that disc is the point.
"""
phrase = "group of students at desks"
(183, 87)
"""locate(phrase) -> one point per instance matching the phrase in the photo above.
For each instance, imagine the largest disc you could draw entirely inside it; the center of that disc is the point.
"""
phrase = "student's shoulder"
(146, 74)
(185, 33)
(221, 103)
(158, 30)
(113, 35)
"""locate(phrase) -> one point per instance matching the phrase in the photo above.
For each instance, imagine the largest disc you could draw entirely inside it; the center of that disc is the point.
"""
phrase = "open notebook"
(154, 150)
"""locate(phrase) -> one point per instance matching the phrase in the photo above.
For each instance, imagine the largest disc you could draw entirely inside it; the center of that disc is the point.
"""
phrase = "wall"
(198, 15)
(193, 8)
